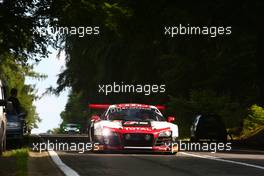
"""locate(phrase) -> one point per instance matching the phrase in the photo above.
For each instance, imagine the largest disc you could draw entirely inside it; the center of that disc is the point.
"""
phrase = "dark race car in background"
(208, 127)
(133, 127)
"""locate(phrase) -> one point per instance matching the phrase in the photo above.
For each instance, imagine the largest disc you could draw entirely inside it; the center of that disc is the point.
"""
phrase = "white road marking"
(223, 160)
(62, 166)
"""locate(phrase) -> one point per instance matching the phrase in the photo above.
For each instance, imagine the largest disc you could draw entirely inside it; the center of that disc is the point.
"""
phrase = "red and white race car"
(133, 127)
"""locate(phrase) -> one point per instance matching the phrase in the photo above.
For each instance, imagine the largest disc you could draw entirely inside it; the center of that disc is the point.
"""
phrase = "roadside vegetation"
(21, 48)
(14, 74)
(222, 75)
(21, 158)
(254, 122)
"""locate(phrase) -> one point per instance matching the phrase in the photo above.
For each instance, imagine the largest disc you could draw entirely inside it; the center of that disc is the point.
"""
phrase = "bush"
(255, 119)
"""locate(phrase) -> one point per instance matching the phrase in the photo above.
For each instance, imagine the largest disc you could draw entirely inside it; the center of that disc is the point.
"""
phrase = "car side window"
(197, 120)
(103, 116)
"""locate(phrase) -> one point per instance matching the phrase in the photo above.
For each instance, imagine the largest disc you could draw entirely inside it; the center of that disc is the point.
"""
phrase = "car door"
(2, 119)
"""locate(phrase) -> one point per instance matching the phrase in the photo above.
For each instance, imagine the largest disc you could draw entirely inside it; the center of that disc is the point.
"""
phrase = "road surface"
(183, 164)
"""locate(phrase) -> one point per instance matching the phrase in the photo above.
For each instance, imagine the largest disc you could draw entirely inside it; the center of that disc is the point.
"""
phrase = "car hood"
(153, 125)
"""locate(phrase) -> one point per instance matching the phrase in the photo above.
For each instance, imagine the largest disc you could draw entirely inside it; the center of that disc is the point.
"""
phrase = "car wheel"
(174, 148)
(91, 134)
(92, 139)
(173, 153)
(170, 153)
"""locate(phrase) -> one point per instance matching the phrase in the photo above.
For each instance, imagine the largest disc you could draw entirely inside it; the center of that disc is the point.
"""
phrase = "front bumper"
(14, 133)
(72, 132)
(137, 142)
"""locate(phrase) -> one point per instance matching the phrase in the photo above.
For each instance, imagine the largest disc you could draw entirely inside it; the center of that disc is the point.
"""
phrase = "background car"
(2, 118)
(72, 128)
(16, 126)
(208, 127)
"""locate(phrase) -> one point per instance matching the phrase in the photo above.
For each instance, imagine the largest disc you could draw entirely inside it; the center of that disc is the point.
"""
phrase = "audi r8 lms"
(133, 127)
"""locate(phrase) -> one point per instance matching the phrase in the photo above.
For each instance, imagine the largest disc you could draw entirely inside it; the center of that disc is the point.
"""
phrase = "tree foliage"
(20, 20)
(20, 42)
(219, 74)
(14, 75)
(75, 111)
(255, 119)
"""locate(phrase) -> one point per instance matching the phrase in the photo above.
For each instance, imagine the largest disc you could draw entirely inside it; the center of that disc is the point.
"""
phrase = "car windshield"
(71, 125)
(12, 118)
(134, 114)
(211, 120)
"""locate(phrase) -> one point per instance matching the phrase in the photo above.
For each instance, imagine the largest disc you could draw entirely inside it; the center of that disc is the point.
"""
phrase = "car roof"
(210, 115)
(125, 105)
(134, 105)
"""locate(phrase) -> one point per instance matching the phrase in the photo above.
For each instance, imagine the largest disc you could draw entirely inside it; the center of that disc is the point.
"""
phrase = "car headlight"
(13, 124)
(106, 132)
(77, 129)
(165, 134)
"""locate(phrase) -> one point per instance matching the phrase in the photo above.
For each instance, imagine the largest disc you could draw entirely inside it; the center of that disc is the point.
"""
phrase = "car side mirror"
(170, 119)
(95, 118)
(2, 103)
(10, 108)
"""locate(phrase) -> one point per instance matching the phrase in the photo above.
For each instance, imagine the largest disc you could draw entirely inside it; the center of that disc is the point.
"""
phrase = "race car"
(133, 127)
(71, 128)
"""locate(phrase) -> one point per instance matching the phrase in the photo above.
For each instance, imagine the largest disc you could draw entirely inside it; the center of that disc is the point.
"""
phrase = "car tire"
(174, 153)
(170, 153)
(92, 139)
(91, 134)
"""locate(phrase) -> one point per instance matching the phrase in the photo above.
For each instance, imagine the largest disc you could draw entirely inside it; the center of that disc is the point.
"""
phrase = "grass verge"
(21, 156)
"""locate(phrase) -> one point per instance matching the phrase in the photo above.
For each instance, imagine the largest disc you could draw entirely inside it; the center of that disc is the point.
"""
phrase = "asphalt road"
(184, 163)
(236, 162)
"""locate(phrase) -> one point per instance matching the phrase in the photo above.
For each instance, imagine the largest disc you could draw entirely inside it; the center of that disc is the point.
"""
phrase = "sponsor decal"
(136, 123)
(137, 129)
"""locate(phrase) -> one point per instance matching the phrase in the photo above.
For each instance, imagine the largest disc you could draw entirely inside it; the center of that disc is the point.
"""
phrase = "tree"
(20, 41)
(132, 48)
(21, 21)
(14, 74)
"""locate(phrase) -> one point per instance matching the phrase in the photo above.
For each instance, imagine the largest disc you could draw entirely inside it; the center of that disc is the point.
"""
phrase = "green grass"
(21, 156)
